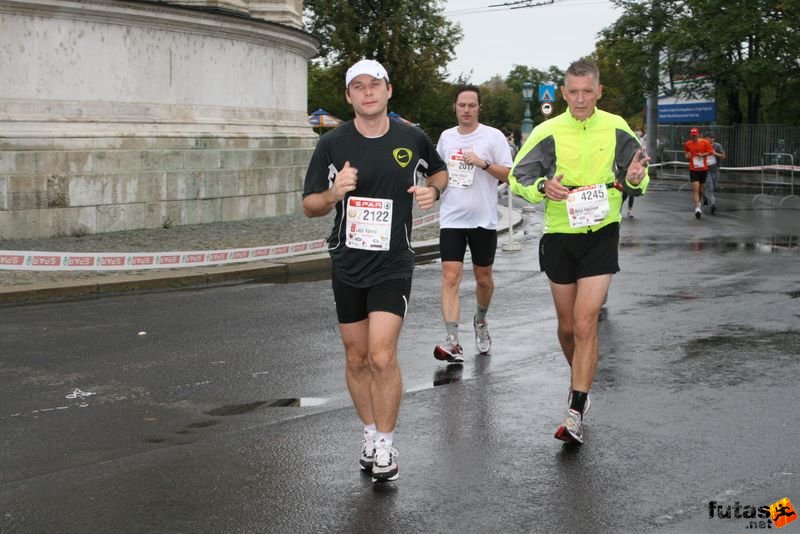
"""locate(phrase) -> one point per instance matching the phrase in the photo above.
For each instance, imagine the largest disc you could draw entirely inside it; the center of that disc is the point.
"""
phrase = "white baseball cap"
(366, 66)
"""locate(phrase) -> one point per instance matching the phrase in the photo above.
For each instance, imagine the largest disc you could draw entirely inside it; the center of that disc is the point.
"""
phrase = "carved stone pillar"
(223, 5)
(289, 12)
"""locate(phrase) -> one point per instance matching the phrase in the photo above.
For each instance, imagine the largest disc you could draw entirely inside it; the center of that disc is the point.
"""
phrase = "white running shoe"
(449, 351)
(367, 452)
(385, 466)
(572, 429)
(483, 342)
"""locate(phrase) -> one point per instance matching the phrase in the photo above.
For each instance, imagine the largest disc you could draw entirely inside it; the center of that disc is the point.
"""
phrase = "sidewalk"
(29, 286)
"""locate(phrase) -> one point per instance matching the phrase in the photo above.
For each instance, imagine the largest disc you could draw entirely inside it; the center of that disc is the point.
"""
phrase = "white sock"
(385, 436)
(451, 327)
(370, 429)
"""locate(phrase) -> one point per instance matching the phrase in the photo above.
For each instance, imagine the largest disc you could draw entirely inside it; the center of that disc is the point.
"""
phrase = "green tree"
(501, 107)
(326, 90)
(436, 109)
(747, 49)
(411, 38)
(634, 41)
(623, 93)
(520, 74)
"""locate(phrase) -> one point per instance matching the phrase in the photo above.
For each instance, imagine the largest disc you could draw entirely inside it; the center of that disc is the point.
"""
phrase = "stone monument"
(121, 114)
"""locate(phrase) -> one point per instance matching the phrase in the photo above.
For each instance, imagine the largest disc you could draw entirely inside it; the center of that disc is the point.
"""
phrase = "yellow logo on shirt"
(402, 156)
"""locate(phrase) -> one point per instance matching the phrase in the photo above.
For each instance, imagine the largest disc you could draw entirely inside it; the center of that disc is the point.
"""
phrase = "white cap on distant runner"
(366, 66)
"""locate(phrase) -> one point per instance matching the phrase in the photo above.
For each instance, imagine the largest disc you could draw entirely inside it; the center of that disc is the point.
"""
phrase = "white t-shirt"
(470, 199)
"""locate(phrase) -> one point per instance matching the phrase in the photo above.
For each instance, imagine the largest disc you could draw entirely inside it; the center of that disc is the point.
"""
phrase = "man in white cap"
(370, 170)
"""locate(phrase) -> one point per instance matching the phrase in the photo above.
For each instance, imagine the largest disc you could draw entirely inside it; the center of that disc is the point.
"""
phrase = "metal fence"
(762, 160)
(746, 145)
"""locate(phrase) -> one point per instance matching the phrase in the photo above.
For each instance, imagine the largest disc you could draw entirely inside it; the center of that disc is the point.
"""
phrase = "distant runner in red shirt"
(696, 150)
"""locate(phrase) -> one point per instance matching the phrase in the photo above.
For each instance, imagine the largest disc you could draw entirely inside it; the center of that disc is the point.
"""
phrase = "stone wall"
(107, 185)
(117, 115)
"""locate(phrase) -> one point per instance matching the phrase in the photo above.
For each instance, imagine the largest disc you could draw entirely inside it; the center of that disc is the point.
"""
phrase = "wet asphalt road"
(185, 427)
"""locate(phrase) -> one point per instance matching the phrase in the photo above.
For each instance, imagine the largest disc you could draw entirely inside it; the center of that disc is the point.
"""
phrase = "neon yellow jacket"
(597, 150)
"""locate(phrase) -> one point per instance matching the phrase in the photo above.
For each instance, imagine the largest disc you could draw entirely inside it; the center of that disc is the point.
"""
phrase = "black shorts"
(567, 257)
(482, 244)
(354, 304)
(698, 176)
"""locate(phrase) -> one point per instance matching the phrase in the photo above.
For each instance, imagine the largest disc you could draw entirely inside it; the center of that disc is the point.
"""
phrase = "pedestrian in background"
(510, 140)
(712, 180)
(517, 135)
(696, 150)
(560, 165)
(478, 157)
(370, 170)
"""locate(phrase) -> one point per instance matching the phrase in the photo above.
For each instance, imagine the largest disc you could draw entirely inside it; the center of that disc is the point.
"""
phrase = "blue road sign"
(547, 92)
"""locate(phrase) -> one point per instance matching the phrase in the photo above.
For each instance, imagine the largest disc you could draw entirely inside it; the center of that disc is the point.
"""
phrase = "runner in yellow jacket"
(579, 163)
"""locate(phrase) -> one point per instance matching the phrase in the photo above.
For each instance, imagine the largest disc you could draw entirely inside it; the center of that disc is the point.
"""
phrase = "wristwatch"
(488, 164)
(540, 186)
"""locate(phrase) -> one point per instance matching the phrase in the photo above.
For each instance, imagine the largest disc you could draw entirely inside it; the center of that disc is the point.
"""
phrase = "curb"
(304, 268)
(299, 269)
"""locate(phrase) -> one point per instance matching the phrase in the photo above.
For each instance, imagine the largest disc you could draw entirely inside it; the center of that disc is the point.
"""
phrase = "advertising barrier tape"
(788, 168)
(16, 260)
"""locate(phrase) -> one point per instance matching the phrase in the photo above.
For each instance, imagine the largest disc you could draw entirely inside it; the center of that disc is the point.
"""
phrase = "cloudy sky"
(496, 39)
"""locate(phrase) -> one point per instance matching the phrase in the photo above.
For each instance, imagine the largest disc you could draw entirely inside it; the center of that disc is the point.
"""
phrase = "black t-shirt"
(387, 166)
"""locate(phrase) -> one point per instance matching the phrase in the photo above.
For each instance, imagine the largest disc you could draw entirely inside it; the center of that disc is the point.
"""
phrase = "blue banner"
(694, 112)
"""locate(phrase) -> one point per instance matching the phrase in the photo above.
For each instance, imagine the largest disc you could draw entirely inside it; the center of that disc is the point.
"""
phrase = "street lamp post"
(527, 122)
(525, 129)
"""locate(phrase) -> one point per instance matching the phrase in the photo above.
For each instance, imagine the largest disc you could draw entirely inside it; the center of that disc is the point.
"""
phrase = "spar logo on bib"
(402, 156)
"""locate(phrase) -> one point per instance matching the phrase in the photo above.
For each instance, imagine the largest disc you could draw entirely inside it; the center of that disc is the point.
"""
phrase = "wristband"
(488, 164)
(438, 191)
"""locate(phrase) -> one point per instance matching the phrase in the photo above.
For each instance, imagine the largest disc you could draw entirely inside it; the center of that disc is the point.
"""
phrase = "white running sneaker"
(483, 342)
(449, 351)
(367, 452)
(385, 466)
(572, 429)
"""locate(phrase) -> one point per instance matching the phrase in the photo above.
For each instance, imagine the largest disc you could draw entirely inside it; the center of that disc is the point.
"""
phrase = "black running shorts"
(567, 257)
(698, 176)
(354, 304)
(482, 245)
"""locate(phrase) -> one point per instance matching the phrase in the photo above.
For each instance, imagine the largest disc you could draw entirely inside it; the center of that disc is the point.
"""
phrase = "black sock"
(578, 401)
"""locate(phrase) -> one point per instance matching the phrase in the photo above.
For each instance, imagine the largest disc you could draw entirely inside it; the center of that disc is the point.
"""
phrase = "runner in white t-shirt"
(477, 157)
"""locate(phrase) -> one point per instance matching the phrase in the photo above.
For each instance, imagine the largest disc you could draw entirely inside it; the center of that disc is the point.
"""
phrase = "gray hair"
(584, 67)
